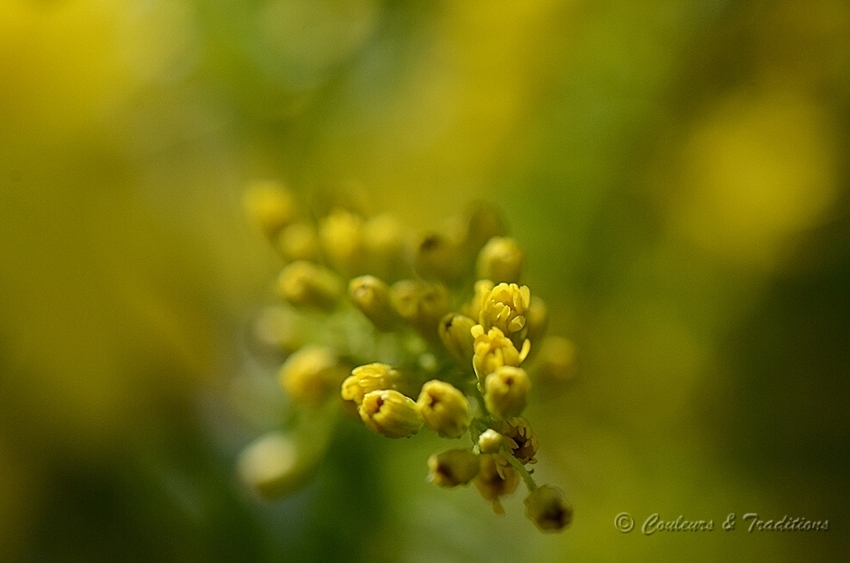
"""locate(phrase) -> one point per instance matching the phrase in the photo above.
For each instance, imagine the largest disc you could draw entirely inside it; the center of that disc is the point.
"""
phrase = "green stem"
(526, 476)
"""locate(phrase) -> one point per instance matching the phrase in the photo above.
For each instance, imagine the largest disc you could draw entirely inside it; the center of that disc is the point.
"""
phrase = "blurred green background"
(677, 172)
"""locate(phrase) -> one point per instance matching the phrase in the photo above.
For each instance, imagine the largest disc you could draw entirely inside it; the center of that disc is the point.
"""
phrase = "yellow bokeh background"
(675, 171)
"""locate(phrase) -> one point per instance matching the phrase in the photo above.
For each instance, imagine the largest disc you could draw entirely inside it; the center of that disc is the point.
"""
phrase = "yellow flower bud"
(389, 247)
(556, 361)
(404, 295)
(372, 297)
(422, 305)
(311, 375)
(434, 303)
(299, 241)
(482, 292)
(505, 391)
(490, 441)
(368, 378)
(520, 439)
(453, 467)
(455, 332)
(390, 413)
(500, 260)
(341, 233)
(271, 466)
(493, 481)
(279, 327)
(546, 507)
(505, 308)
(536, 319)
(306, 284)
(492, 350)
(444, 408)
(483, 222)
(439, 256)
(270, 207)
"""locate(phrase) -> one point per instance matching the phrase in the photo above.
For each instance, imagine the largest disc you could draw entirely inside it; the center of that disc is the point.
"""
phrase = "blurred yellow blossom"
(453, 467)
(270, 206)
(501, 260)
(311, 375)
(372, 296)
(546, 507)
(308, 284)
(493, 483)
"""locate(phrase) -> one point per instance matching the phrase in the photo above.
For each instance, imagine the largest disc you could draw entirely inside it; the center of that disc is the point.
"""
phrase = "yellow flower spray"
(433, 334)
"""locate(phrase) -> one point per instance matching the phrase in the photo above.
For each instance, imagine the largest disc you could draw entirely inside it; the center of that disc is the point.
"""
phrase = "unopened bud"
(306, 284)
(270, 207)
(483, 222)
(389, 247)
(490, 441)
(439, 256)
(546, 507)
(556, 361)
(505, 391)
(271, 466)
(444, 408)
(372, 297)
(501, 260)
(299, 241)
(455, 332)
(391, 414)
(536, 319)
(453, 467)
(434, 303)
(341, 234)
(405, 298)
(311, 375)
(280, 328)
(422, 305)
(482, 292)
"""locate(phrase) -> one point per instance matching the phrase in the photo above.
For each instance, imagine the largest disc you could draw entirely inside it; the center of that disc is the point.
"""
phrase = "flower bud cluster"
(435, 332)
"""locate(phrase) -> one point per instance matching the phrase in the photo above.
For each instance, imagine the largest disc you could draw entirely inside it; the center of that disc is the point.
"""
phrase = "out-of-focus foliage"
(676, 172)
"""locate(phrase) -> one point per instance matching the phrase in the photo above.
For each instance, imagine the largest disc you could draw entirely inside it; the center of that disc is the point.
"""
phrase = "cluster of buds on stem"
(432, 333)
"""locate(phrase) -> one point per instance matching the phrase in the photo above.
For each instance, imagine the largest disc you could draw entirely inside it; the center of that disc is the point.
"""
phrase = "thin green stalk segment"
(526, 476)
